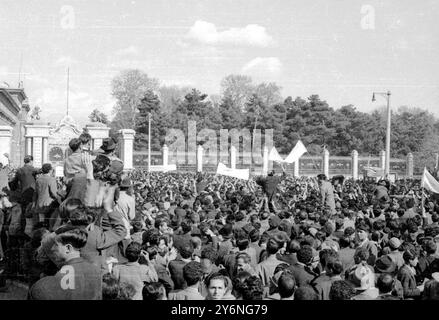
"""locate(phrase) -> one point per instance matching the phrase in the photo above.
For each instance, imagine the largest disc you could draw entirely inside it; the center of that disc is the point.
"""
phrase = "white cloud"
(269, 65)
(251, 35)
(131, 50)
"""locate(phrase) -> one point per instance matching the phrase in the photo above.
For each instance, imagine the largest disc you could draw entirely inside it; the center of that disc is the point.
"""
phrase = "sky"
(342, 50)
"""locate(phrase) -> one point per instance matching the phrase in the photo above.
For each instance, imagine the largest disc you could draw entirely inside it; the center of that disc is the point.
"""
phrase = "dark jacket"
(176, 271)
(302, 275)
(408, 282)
(86, 283)
(25, 181)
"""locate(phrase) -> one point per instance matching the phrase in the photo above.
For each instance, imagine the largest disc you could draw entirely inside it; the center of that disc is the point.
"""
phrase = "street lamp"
(387, 163)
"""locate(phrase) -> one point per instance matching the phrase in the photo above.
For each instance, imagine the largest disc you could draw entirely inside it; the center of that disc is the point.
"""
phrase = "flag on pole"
(429, 182)
(374, 172)
(236, 173)
(275, 156)
(298, 150)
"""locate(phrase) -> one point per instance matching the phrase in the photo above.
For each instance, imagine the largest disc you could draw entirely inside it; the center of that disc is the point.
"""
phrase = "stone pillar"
(5, 143)
(233, 157)
(28, 146)
(355, 165)
(382, 159)
(45, 150)
(296, 168)
(37, 151)
(98, 132)
(409, 165)
(200, 158)
(127, 148)
(36, 132)
(165, 153)
(326, 162)
(265, 161)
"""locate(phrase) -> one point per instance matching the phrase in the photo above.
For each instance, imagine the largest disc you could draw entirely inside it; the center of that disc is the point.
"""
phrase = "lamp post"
(387, 162)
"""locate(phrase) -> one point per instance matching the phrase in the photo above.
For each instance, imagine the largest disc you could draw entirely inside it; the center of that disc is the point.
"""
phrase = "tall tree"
(128, 88)
(238, 89)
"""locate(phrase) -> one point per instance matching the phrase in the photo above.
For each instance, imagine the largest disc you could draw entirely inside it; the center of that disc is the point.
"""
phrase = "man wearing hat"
(364, 280)
(46, 195)
(327, 193)
(126, 204)
(395, 254)
(385, 265)
(25, 181)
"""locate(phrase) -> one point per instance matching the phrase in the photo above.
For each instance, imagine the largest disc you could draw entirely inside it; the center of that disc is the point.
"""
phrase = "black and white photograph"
(244, 152)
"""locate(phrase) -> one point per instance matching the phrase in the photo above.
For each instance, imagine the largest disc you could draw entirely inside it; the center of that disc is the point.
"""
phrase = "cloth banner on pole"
(429, 182)
(236, 173)
(298, 151)
(374, 172)
(275, 156)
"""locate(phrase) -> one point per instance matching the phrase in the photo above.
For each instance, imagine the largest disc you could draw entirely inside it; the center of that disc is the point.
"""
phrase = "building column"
(5, 143)
(382, 159)
(409, 165)
(355, 165)
(326, 162)
(265, 161)
(233, 157)
(165, 154)
(296, 168)
(127, 148)
(200, 159)
(28, 146)
(37, 151)
(45, 150)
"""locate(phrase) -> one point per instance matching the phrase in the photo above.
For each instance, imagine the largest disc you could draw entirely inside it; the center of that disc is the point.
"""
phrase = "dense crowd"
(101, 233)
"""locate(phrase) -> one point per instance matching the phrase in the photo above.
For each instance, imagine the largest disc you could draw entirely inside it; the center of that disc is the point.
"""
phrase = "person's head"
(208, 258)
(252, 289)
(242, 261)
(217, 287)
(305, 255)
(286, 285)
(110, 287)
(254, 235)
(192, 273)
(154, 291)
(333, 266)
(410, 257)
(385, 283)
(132, 252)
(126, 291)
(273, 246)
(305, 293)
(293, 246)
(68, 243)
(238, 283)
(85, 139)
(70, 205)
(341, 290)
(137, 226)
(46, 168)
(321, 177)
(361, 255)
(28, 160)
(430, 247)
(75, 144)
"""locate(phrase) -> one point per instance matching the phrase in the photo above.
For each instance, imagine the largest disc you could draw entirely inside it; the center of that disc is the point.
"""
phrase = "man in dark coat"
(77, 279)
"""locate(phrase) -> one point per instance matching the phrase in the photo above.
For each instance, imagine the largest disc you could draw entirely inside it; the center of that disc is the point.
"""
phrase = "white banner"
(429, 182)
(275, 156)
(298, 151)
(236, 173)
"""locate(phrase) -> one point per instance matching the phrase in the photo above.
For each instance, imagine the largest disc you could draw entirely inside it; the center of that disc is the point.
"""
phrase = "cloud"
(131, 50)
(269, 65)
(251, 35)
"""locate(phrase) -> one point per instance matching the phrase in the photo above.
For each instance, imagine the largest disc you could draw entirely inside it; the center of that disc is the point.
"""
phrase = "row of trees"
(242, 103)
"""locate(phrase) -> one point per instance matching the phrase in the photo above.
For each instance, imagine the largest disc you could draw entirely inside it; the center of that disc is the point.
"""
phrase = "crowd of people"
(102, 233)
